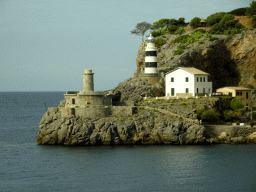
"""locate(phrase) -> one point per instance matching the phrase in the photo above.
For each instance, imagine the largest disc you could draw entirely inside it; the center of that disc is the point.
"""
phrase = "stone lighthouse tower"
(151, 74)
(88, 80)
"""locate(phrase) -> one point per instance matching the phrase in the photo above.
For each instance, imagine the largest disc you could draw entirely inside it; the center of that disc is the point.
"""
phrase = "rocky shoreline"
(147, 127)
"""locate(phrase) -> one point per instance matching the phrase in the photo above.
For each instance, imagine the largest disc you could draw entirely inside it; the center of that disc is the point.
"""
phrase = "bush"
(194, 21)
(213, 38)
(159, 42)
(181, 20)
(199, 30)
(196, 35)
(251, 10)
(179, 31)
(236, 104)
(227, 17)
(156, 33)
(178, 52)
(210, 115)
(173, 28)
(239, 26)
(230, 115)
(201, 42)
(217, 27)
(215, 18)
(232, 31)
(230, 24)
(254, 26)
(238, 12)
(199, 111)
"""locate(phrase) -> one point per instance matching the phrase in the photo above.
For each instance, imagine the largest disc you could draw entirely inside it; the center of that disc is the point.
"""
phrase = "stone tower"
(88, 80)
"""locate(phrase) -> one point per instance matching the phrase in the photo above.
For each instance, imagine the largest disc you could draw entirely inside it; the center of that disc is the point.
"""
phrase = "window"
(172, 79)
(197, 79)
(186, 79)
(197, 90)
(237, 93)
(209, 91)
(241, 93)
(172, 91)
(73, 101)
(204, 79)
(200, 79)
(186, 90)
(203, 90)
(247, 96)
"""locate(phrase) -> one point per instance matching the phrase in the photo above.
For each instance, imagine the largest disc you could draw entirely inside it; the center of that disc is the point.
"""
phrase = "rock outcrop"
(230, 60)
(145, 127)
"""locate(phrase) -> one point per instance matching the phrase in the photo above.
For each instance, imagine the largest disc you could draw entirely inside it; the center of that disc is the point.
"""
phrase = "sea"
(26, 166)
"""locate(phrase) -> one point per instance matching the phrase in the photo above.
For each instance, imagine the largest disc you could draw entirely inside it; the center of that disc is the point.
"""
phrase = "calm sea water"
(26, 166)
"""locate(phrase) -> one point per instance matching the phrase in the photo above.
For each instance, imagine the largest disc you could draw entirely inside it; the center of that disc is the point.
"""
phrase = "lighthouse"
(151, 56)
(151, 74)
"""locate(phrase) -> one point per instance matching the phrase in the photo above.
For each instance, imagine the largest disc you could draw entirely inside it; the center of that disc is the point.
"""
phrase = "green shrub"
(201, 42)
(156, 33)
(179, 31)
(196, 35)
(213, 38)
(183, 47)
(181, 20)
(207, 35)
(227, 17)
(230, 24)
(199, 111)
(173, 28)
(215, 18)
(159, 42)
(217, 27)
(164, 31)
(251, 10)
(178, 52)
(181, 39)
(254, 26)
(238, 12)
(194, 21)
(230, 115)
(239, 26)
(210, 115)
(199, 30)
(236, 103)
(232, 31)
(254, 19)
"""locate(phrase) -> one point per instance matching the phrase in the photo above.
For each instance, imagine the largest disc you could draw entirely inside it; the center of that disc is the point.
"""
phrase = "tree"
(194, 21)
(236, 103)
(141, 28)
(251, 10)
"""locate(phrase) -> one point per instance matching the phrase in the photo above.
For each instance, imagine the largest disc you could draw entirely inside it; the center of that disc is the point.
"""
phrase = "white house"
(187, 81)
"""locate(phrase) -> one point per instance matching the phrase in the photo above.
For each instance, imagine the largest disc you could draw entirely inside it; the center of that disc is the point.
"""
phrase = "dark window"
(203, 90)
(237, 93)
(200, 79)
(209, 90)
(186, 79)
(247, 95)
(172, 79)
(197, 79)
(204, 79)
(197, 90)
(172, 91)
(241, 93)
(73, 101)
(186, 90)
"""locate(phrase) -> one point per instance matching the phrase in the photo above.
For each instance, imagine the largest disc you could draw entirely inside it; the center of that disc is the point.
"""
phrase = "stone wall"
(151, 80)
(96, 111)
(183, 95)
(232, 131)
(84, 100)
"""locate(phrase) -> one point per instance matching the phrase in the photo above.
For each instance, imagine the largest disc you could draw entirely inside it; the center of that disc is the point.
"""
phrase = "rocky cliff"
(230, 60)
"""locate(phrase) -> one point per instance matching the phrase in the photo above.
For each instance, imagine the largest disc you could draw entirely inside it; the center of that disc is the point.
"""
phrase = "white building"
(187, 81)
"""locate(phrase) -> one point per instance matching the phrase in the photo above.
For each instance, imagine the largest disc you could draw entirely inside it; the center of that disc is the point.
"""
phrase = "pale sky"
(46, 44)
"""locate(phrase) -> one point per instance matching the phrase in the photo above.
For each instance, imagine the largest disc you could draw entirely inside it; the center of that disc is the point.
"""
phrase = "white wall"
(179, 83)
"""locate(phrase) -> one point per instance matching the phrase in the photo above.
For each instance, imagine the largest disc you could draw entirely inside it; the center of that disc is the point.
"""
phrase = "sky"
(47, 44)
